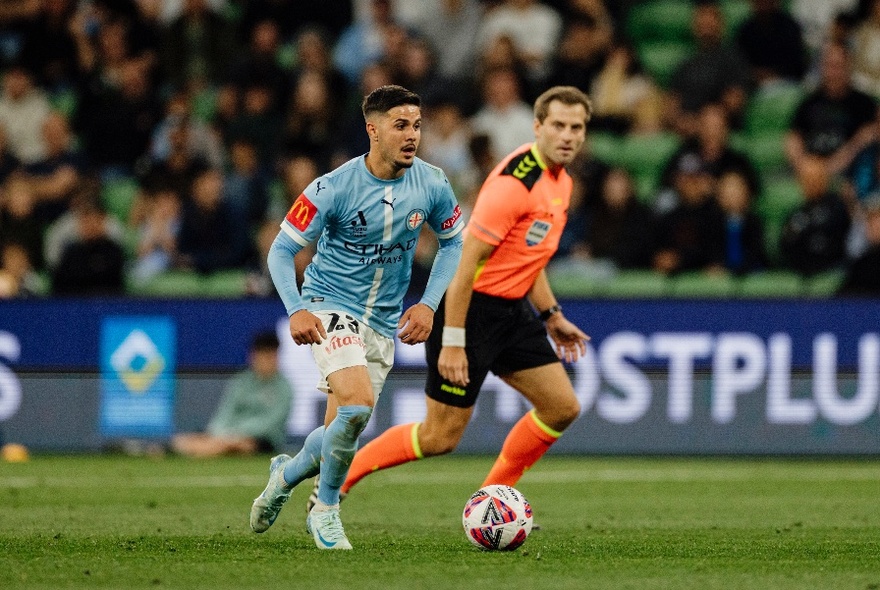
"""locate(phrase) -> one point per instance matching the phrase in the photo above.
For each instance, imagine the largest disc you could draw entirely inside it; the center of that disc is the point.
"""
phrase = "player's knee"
(568, 412)
(433, 442)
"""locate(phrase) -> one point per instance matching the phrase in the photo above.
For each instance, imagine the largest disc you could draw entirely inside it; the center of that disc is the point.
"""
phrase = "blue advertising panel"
(659, 376)
(137, 366)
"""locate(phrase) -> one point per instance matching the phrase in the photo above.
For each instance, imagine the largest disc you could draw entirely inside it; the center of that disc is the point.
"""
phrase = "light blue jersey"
(367, 229)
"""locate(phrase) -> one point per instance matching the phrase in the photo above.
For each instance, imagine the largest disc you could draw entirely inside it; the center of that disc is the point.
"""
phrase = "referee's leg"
(550, 392)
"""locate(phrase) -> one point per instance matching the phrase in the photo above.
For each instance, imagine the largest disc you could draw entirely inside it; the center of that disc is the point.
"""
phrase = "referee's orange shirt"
(521, 210)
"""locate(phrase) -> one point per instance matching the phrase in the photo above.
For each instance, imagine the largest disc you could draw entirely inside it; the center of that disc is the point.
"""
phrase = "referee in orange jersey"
(489, 322)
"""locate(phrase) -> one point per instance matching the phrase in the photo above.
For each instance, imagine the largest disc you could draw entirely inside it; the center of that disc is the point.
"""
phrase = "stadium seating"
(227, 284)
(771, 284)
(661, 58)
(824, 284)
(648, 153)
(605, 147)
(735, 12)
(118, 196)
(772, 109)
(765, 150)
(170, 284)
(65, 102)
(637, 284)
(698, 285)
(660, 20)
(778, 199)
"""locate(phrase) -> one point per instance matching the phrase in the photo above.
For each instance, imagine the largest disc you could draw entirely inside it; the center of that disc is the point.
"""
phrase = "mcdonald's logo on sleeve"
(301, 213)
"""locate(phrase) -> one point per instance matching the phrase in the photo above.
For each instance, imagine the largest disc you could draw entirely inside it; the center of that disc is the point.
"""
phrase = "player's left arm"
(571, 341)
(416, 322)
(445, 220)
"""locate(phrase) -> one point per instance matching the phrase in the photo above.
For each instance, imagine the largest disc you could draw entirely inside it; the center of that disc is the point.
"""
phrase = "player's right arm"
(452, 363)
(301, 226)
(305, 327)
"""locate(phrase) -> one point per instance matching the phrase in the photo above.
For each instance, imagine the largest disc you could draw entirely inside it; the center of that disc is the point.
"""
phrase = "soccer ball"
(497, 518)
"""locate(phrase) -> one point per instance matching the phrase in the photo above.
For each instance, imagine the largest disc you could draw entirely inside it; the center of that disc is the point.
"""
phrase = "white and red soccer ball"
(497, 518)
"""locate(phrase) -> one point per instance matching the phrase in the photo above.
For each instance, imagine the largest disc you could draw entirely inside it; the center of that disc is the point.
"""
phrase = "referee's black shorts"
(503, 336)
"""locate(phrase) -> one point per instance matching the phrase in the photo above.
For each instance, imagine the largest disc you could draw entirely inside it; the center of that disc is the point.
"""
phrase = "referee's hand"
(571, 341)
(453, 365)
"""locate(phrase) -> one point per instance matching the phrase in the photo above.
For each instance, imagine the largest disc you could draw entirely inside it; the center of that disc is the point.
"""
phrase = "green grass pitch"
(607, 523)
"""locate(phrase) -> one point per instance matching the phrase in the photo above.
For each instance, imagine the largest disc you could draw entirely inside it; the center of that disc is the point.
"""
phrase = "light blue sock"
(340, 444)
(306, 463)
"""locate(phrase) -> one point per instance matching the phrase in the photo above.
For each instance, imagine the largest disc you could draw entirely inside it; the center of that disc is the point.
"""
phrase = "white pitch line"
(633, 475)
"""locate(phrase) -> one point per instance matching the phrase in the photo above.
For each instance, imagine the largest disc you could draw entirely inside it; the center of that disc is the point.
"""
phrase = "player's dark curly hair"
(567, 95)
(387, 97)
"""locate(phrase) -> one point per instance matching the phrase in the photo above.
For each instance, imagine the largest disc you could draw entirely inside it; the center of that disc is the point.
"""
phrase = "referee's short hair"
(384, 98)
(567, 95)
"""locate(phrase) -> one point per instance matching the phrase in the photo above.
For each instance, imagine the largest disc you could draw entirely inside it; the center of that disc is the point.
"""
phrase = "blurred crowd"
(139, 137)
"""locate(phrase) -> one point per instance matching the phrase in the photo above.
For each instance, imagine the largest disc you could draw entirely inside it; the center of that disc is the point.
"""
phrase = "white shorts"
(352, 343)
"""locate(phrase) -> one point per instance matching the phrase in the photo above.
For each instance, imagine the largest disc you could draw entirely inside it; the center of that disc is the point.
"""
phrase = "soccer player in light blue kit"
(366, 215)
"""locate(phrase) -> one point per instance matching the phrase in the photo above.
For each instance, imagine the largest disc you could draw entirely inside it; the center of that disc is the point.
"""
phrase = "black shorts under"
(503, 336)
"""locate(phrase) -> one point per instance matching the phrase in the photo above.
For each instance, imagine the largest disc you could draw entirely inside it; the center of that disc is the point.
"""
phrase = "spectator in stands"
(197, 47)
(711, 146)
(534, 28)
(625, 99)
(15, 16)
(203, 142)
(258, 64)
(246, 186)
(116, 118)
(259, 280)
(294, 17)
(8, 162)
(48, 48)
(313, 55)
(297, 171)
(252, 414)
(352, 140)
(863, 274)
(157, 235)
(213, 235)
(259, 121)
(451, 29)
(716, 72)
(505, 117)
(102, 45)
(178, 169)
(313, 118)
(582, 50)
(17, 276)
(744, 250)
(771, 42)
(174, 9)
(418, 69)
(814, 237)
(833, 117)
(364, 41)
(446, 143)
(620, 228)
(23, 110)
(55, 177)
(817, 18)
(691, 235)
(864, 42)
(66, 230)
(93, 263)
(19, 222)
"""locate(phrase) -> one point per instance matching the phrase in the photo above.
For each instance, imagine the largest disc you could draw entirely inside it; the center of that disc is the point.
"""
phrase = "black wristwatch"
(545, 315)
